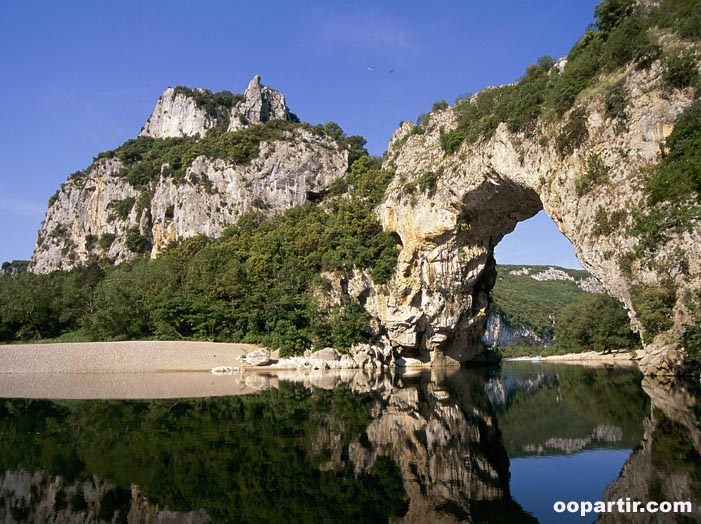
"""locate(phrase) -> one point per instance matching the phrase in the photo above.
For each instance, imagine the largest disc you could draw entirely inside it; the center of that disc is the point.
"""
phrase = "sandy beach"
(149, 370)
(120, 357)
(122, 370)
(159, 369)
(587, 358)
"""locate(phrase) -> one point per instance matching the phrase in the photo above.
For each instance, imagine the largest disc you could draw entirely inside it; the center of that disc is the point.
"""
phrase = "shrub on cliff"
(654, 307)
(623, 34)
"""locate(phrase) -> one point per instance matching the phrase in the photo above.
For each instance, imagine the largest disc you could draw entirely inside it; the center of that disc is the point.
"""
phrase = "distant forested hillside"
(554, 306)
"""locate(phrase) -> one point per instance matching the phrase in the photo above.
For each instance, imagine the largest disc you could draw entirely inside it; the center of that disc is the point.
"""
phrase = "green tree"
(594, 322)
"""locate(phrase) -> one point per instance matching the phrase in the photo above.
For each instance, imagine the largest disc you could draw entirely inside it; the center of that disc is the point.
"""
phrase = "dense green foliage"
(678, 175)
(654, 307)
(41, 306)
(596, 173)
(527, 350)
(574, 132)
(517, 105)
(225, 455)
(13, 268)
(212, 103)
(560, 310)
(106, 240)
(680, 71)
(526, 301)
(594, 322)
(673, 453)
(260, 282)
(606, 222)
(145, 159)
(616, 100)
(123, 207)
(622, 34)
(136, 242)
(692, 335)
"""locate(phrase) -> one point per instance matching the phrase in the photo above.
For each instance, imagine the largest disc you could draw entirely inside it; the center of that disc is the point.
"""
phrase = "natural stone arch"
(450, 211)
(449, 252)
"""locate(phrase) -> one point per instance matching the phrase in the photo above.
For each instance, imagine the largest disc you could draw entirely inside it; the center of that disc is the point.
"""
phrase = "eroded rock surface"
(39, 497)
(177, 113)
(451, 210)
(440, 430)
(94, 212)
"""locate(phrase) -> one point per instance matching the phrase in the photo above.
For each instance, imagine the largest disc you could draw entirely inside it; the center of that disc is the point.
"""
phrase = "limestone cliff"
(183, 112)
(499, 332)
(115, 208)
(450, 206)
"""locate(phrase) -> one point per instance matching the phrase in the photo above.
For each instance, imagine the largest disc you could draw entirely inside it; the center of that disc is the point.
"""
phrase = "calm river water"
(487, 445)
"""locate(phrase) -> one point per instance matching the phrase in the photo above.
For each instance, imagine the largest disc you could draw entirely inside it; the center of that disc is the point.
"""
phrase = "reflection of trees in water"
(425, 452)
(545, 410)
(403, 449)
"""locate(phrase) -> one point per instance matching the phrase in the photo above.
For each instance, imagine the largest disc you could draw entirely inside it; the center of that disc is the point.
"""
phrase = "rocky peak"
(177, 115)
(185, 112)
(260, 104)
(97, 211)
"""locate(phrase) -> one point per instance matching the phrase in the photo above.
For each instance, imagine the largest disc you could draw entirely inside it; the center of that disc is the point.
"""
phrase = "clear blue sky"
(80, 77)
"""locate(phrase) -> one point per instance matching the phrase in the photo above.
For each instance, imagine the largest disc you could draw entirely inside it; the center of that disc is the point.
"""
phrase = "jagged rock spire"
(178, 112)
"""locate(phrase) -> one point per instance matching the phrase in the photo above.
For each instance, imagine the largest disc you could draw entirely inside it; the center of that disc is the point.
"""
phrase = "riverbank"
(159, 369)
(178, 356)
(628, 358)
(120, 357)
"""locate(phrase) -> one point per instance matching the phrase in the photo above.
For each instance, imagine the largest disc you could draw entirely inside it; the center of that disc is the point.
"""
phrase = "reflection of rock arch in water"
(436, 434)
(666, 466)
(440, 430)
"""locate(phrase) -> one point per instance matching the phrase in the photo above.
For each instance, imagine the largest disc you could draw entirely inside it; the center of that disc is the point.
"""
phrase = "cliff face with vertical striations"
(117, 208)
(42, 497)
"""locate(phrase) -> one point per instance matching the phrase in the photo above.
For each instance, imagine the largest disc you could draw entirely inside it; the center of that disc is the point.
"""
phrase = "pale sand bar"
(120, 357)
(121, 370)
(590, 358)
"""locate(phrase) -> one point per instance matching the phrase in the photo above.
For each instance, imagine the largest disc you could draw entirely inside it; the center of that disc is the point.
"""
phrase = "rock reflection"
(438, 426)
(344, 446)
(666, 466)
(441, 431)
(311, 447)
